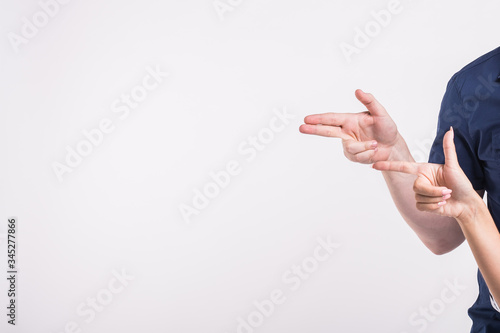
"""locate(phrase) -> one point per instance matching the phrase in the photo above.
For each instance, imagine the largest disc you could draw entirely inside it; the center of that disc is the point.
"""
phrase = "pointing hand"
(442, 189)
(367, 136)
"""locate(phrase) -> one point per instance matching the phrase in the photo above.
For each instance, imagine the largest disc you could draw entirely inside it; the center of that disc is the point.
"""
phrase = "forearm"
(440, 234)
(484, 240)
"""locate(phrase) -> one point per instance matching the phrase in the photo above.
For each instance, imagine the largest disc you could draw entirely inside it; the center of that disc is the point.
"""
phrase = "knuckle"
(371, 158)
(349, 156)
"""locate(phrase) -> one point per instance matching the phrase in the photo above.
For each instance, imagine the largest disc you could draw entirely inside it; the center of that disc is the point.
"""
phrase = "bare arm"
(484, 241)
(462, 203)
(372, 136)
(441, 234)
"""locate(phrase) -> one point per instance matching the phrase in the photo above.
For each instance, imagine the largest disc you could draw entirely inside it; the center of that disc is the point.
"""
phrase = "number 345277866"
(11, 244)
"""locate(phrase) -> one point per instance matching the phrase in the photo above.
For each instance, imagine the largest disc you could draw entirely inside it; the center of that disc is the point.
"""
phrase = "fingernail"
(375, 149)
(447, 191)
(441, 203)
(447, 196)
(374, 144)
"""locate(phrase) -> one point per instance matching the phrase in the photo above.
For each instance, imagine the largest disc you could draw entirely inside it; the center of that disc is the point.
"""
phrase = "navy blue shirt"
(471, 105)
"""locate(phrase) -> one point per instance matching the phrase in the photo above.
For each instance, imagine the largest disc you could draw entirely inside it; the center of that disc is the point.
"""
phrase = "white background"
(119, 209)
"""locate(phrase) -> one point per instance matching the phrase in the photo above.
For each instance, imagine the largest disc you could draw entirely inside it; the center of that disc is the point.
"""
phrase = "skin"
(372, 136)
(459, 201)
(436, 200)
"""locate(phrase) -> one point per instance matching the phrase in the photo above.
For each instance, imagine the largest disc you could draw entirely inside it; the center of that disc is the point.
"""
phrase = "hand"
(443, 189)
(366, 136)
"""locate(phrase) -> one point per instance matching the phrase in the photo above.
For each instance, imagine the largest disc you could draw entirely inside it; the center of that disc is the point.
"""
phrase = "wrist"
(400, 151)
(471, 210)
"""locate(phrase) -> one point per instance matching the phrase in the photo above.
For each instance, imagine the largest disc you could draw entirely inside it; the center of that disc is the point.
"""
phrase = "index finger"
(398, 166)
(322, 130)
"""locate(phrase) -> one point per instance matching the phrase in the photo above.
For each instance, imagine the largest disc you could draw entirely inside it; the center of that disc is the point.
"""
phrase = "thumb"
(372, 105)
(450, 154)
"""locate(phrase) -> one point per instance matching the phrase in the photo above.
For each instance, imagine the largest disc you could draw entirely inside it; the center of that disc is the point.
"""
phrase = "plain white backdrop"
(231, 66)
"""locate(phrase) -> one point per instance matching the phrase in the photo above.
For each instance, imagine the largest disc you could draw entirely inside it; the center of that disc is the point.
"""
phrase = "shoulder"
(484, 69)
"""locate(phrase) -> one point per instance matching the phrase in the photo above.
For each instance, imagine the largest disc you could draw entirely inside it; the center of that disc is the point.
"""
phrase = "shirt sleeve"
(494, 303)
(452, 114)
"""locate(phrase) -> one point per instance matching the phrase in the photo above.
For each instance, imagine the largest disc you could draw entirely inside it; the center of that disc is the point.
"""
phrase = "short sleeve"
(494, 303)
(451, 114)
